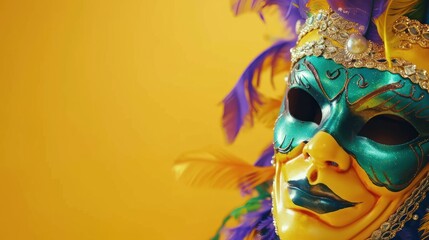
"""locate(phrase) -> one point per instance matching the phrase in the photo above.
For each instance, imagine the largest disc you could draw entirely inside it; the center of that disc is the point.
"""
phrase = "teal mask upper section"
(378, 117)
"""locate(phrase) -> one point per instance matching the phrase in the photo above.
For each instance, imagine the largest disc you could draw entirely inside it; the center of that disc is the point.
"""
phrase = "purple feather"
(302, 7)
(355, 11)
(250, 222)
(362, 12)
(372, 34)
(266, 156)
(240, 102)
(379, 7)
(298, 8)
(285, 6)
(266, 227)
(291, 10)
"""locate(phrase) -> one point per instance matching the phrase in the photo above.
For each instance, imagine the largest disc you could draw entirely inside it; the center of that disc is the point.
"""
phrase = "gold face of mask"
(319, 210)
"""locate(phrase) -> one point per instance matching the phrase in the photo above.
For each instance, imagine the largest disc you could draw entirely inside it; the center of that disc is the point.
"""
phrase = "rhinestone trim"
(411, 32)
(404, 213)
(335, 31)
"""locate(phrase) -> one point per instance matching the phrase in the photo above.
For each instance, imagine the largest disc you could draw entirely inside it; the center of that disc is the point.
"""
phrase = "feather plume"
(242, 101)
(287, 12)
(266, 156)
(287, 7)
(316, 5)
(378, 8)
(424, 227)
(216, 168)
(362, 12)
(266, 227)
(248, 216)
(372, 34)
(242, 6)
(355, 11)
(268, 111)
(252, 213)
(384, 23)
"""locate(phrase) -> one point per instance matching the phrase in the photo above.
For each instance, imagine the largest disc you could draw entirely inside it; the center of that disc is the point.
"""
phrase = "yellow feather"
(268, 111)
(216, 168)
(315, 5)
(243, 6)
(424, 227)
(384, 23)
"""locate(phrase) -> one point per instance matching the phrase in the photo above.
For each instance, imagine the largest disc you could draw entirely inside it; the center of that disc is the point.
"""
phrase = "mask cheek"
(297, 218)
(390, 167)
(389, 201)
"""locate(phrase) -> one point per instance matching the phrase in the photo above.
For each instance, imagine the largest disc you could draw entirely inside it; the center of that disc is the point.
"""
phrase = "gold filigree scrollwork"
(338, 38)
(411, 32)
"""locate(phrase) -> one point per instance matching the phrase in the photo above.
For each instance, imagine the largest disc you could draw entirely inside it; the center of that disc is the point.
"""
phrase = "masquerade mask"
(358, 142)
(351, 138)
(359, 135)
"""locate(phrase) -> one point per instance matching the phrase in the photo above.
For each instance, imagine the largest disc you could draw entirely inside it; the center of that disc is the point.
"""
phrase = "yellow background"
(98, 98)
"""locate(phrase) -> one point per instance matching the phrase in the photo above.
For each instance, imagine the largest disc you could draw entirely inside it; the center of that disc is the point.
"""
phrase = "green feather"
(251, 205)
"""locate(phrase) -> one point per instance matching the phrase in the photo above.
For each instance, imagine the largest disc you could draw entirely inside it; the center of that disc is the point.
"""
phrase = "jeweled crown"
(327, 34)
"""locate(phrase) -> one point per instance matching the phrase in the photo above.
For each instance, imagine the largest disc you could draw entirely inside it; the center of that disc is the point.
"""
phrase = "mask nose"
(324, 152)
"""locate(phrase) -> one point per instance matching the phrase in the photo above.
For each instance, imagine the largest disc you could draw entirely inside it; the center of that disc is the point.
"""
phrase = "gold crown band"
(411, 32)
(341, 41)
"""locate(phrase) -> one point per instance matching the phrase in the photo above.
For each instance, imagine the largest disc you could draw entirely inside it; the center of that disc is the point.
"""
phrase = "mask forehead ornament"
(341, 41)
(351, 133)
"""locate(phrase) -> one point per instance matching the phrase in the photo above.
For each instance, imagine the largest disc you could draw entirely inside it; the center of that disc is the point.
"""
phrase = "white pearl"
(356, 44)
(298, 26)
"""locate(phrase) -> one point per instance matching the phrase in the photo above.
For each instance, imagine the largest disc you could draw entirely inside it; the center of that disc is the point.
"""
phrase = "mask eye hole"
(389, 130)
(303, 106)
